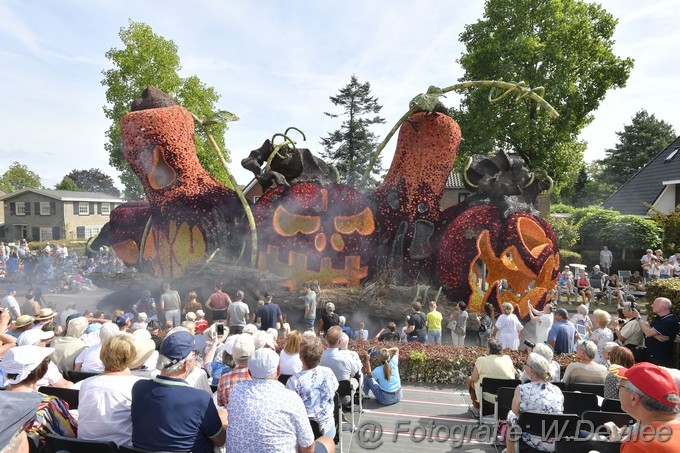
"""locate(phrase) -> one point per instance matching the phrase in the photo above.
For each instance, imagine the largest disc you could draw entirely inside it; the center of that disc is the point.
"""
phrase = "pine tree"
(351, 147)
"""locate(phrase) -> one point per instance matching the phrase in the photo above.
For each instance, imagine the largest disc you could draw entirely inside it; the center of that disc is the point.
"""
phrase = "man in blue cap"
(168, 414)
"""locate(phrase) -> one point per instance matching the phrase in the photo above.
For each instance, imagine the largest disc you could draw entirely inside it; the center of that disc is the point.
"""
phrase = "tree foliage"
(562, 45)
(591, 223)
(19, 177)
(632, 233)
(67, 184)
(149, 59)
(565, 230)
(670, 226)
(351, 147)
(589, 187)
(639, 142)
(93, 180)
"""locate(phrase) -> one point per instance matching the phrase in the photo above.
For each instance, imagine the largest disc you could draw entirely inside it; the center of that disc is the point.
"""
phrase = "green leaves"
(19, 177)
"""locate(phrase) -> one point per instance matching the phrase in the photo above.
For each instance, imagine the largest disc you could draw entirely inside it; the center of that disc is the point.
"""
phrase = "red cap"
(652, 380)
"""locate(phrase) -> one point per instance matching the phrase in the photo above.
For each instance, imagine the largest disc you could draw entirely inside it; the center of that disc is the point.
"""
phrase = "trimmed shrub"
(565, 230)
(560, 208)
(568, 257)
(667, 287)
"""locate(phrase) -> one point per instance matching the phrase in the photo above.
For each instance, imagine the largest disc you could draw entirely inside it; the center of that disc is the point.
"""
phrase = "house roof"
(454, 181)
(647, 184)
(66, 195)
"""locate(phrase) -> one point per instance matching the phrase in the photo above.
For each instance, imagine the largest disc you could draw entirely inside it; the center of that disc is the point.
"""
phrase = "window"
(106, 209)
(44, 208)
(45, 234)
(91, 231)
(21, 208)
(672, 154)
(83, 208)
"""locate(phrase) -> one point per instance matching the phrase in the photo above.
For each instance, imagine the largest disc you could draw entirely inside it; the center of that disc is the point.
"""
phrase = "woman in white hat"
(22, 368)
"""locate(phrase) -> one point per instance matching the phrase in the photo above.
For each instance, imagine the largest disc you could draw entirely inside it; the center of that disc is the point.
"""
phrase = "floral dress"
(538, 397)
(601, 337)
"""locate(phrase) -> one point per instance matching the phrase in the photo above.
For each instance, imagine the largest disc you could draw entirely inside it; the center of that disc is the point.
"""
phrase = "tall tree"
(19, 177)
(351, 147)
(67, 184)
(93, 180)
(149, 59)
(562, 45)
(639, 141)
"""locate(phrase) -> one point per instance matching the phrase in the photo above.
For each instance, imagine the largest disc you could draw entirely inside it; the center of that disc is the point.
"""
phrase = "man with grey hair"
(586, 370)
(343, 363)
(237, 314)
(168, 414)
(544, 351)
(649, 394)
(494, 365)
(660, 334)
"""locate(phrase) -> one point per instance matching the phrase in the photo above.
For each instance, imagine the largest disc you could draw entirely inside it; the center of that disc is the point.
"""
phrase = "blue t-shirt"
(269, 315)
(564, 339)
(168, 415)
(394, 383)
(663, 350)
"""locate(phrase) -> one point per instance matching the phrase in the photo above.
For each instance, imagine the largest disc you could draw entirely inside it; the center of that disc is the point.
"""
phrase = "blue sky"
(275, 63)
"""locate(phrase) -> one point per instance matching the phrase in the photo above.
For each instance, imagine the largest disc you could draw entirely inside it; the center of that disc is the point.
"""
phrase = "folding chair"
(283, 378)
(569, 445)
(611, 405)
(345, 389)
(578, 403)
(504, 399)
(338, 421)
(491, 385)
(599, 418)
(560, 385)
(546, 426)
(57, 443)
(68, 395)
(597, 286)
(77, 376)
(597, 389)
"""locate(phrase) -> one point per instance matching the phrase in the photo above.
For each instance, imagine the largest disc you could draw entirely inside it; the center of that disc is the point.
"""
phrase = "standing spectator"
(486, 324)
(606, 259)
(649, 394)
(581, 320)
(543, 320)
(388, 333)
(264, 416)
(460, 317)
(660, 334)
(218, 302)
(268, 314)
(665, 269)
(508, 328)
(654, 270)
(629, 333)
(192, 305)
(361, 333)
(316, 385)
(9, 303)
(242, 349)
(12, 266)
(201, 323)
(602, 334)
(30, 306)
(342, 321)
(328, 319)
(237, 314)
(434, 324)
(562, 334)
(146, 304)
(417, 325)
(170, 305)
(494, 365)
(167, 414)
(646, 262)
(310, 305)
(585, 371)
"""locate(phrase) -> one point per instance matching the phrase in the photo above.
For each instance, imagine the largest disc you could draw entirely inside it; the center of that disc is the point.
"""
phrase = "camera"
(220, 329)
(621, 321)
(529, 344)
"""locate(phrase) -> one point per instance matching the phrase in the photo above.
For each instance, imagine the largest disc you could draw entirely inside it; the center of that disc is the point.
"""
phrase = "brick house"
(46, 215)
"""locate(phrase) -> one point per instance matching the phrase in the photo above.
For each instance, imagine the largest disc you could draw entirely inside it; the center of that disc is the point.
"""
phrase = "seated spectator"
(169, 415)
(544, 351)
(290, 361)
(566, 281)
(649, 394)
(384, 381)
(620, 357)
(316, 385)
(22, 367)
(342, 321)
(146, 357)
(665, 269)
(597, 273)
(16, 409)
(216, 368)
(53, 378)
(538, 395)
(361, 333)
(243, 348)
(636, 282)
(630, 334)
(585, 371)
(201, 324)
(104, 401)
(654, 270)
(67, 348)
(615, 286)
(343, 364)
(583, 287)
(388, 333)
(22, 324)
(601, 335)
(88, 360)
(154, 328)
(494, 365)
(140, 323)
(264, 416)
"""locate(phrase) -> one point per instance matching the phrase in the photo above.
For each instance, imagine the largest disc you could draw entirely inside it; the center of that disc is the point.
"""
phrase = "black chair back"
(611, 405)
(599, 418)
(560, 385)
(548, 425)
(504, 401)
(578, 403)
(283, 378)
(58, 443)
(77, 376)
(316, 429)
(570, 445)
(68, 395)
(491, 385)
(597, 389)
(344, 388)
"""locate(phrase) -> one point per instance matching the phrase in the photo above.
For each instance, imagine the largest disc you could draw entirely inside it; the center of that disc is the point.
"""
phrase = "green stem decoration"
(429, 101)
(239, 192)
(287, 142)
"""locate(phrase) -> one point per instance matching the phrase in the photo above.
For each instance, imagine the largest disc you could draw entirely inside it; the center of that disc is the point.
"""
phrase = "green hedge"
(669, 288)
(567, 257)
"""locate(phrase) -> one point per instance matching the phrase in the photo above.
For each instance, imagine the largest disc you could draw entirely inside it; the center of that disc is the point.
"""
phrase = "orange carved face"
(168, 250)
(314, 232)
